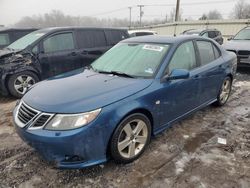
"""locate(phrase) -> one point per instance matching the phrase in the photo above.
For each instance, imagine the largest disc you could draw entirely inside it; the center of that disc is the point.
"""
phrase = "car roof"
(51, 29)
(200, 30)
(161, 39)
(16, 29)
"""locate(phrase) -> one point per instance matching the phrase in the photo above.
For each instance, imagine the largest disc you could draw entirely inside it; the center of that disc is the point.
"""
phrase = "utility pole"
(141, 13)
(177, 11)
(130, 22)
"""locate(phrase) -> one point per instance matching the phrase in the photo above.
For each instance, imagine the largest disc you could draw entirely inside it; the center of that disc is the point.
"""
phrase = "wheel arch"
(143, 111)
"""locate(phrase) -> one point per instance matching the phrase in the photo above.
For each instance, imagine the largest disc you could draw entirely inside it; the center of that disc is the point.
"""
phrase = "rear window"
(115, 36)
(91, 38)
(4, 39)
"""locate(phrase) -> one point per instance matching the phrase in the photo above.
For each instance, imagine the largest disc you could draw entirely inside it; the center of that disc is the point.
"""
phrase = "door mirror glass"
(178, 74)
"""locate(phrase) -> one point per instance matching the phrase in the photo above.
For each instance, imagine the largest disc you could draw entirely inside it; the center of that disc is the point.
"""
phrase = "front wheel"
(19, 83)
(130, 138)
(224, 92)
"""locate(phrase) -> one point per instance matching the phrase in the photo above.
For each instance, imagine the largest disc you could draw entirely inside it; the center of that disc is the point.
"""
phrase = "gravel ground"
(186, 155)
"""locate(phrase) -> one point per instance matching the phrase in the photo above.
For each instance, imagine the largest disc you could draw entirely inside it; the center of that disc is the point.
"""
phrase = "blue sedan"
(112, 108)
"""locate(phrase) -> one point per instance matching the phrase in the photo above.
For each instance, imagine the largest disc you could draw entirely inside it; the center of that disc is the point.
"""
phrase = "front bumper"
(78, 148)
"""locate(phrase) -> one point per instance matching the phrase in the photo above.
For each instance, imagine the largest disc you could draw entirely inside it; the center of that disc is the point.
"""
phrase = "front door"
(58, 54)
(179, 97)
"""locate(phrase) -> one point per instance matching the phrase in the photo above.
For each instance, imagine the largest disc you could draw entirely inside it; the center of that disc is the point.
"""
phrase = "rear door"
(211, 70)
(57, 54)
(91, 44)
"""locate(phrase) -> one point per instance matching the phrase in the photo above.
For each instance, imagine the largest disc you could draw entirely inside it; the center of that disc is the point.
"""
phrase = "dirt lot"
(187, 155)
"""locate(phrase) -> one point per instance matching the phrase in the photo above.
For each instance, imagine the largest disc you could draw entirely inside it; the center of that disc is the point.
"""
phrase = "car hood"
(237, 45)
(82, 92)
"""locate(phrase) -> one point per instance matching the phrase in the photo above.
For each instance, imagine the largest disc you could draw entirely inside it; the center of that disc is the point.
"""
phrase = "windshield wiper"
(118, 73)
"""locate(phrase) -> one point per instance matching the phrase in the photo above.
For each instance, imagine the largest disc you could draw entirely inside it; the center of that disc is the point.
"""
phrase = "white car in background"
(137, 33)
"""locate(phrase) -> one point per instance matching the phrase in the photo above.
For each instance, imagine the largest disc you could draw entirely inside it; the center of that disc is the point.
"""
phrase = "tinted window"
(90, 38)
(183, 58)
(4, 39)
(206, 52)
(211, 34)
(59, 42)
(114, 36)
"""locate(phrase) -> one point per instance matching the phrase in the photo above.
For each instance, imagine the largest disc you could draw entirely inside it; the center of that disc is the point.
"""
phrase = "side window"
(206, 52)
(4, 39)
(35, 49)
(59, 42)
(91, 38)
(183, 58)
(114, 36)
(216, 52)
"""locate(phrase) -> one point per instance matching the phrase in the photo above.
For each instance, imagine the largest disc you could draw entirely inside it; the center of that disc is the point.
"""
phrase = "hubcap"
(132, 138)
(22, 83)
(225, 90)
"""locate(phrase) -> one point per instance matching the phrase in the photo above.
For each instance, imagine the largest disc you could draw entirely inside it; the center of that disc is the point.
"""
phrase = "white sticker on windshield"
(149, 70)
(152, 47)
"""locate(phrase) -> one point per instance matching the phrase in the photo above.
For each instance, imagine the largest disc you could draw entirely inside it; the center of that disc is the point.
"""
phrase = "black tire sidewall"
(12, 78)
(115, 154)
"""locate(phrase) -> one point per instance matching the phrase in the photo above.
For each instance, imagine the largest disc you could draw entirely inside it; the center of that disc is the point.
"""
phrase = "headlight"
(71, 121)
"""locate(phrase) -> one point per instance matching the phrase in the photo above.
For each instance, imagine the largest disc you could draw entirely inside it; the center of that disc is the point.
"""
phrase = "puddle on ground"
(194, 142)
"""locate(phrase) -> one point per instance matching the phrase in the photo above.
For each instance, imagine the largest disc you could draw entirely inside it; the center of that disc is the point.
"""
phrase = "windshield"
(243, 35)
(136, 60)
(23, 42)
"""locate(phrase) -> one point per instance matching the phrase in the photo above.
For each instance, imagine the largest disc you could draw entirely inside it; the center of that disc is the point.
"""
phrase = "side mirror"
(230, 38)
(178, 74)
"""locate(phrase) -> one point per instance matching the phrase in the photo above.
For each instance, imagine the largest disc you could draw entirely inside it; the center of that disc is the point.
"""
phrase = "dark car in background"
(9, 35)
(240, 45)
(49, 52)
(111, 109)
(208, 33)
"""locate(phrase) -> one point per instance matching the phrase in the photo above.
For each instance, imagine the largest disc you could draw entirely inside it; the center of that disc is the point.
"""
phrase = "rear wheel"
(19, 83)
(224, 92)
(130, 138)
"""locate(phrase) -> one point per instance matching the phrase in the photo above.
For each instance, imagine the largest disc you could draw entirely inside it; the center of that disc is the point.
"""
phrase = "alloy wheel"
(23, 83)
(225, 90)
(132, 138)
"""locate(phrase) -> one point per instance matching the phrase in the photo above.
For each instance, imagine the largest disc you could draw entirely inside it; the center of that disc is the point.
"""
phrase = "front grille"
(40, 121)
(26, 114)
(31, 117)
(244, 52)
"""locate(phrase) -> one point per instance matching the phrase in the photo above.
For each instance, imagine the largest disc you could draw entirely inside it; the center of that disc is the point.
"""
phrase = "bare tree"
(211, 15)
(241, 10)
(214, 15)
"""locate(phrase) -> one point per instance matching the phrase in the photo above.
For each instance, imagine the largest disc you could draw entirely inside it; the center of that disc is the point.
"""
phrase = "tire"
(126, 147)
(19, 83)
(224, 93)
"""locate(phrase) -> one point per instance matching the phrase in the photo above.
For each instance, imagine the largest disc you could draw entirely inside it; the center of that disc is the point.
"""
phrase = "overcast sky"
(12, 10)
